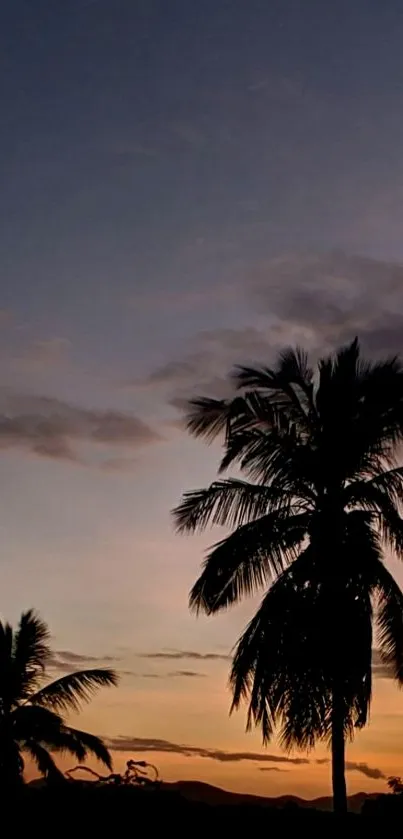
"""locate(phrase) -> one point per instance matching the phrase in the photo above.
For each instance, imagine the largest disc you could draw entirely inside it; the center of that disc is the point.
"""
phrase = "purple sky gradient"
(184, 185)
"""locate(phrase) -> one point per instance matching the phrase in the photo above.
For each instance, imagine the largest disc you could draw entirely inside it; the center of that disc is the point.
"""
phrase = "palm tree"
(30, 710)
(310, 521)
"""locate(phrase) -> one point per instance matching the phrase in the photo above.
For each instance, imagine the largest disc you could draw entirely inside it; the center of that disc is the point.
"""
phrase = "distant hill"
(37, 783)
(202, 793)
(208, 794)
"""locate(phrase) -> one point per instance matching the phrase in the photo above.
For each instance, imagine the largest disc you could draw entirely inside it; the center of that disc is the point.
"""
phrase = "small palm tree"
(309, 524)
(30, 711)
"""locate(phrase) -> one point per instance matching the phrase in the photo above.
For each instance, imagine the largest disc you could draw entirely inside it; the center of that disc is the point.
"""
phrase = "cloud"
(190, 299)
(176, 655)
(55, 663)
(379, 669)
(178, 372)
(319, 301)
(5, 316)
(43, 355)
(124, 465)
(187, 674)
(368, 771)
(67, 661)
(271, 769)
(173, 674)
(68, 655)
(324, 300)
(50, 427)
(204, 369)
(351, 766)
(145, 744)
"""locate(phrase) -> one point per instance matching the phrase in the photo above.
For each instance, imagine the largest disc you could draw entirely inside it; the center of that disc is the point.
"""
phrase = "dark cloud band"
(144, 744)
(177, 655)
(51, 427)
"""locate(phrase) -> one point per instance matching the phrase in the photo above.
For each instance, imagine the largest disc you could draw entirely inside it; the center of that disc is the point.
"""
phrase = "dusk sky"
(185, 184)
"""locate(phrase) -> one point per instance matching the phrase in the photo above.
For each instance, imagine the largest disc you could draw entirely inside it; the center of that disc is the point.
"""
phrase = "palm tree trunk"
(338, 762)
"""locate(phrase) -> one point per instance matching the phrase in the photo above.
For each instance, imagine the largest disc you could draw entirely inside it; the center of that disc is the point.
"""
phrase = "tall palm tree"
(310, 521)
(31, 708)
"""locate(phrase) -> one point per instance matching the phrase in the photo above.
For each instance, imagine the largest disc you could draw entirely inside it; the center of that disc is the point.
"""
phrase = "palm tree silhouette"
(310, 523)
(30, 711)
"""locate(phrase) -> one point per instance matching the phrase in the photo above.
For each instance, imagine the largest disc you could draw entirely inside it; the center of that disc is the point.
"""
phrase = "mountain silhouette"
(201, 792)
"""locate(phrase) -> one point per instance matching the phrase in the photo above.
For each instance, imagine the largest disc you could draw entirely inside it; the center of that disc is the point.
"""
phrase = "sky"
(185, 184)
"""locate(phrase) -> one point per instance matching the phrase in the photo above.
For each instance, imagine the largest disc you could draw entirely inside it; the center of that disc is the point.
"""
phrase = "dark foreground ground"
(113, 811)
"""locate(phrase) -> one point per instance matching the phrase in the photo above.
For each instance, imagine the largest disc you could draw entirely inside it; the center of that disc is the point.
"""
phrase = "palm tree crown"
(310, 520)
(31, 710)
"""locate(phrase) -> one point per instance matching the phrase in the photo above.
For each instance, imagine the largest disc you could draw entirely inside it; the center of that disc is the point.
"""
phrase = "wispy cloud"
(271, 769)
(204, 368)
(187, 674)
(145, 744)
(6, 316)
(352, 766)
(50, 427)
(171, 674)
(121, 465)
(324, 300)
(379, 668)
(185, 300)
(369, 771)
(42, 355)
(67, 661)
(78, 658)
(317, 300)
(177, 655)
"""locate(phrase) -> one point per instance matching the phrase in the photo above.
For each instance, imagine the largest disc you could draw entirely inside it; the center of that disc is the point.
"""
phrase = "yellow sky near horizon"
(197, 716)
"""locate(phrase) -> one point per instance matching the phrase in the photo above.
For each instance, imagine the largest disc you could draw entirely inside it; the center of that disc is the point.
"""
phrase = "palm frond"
(361, 549)
(378, 424)
(282, 460)
(6, 641)
(391, 482)
(31, 652)
(267, 442)
(271, 671)
(289, 384)
(248, 559)
(285, 662)
(256, 423)
(381, 392)
(44, 761)
(90, 744)
(32, 722)
(7, 680)
(41, 730)
(388, 483)
(337, 381)
(390, 622)
(381, 497)
(59, 739)
(228, 503)
(71, 691)
(207, 418)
